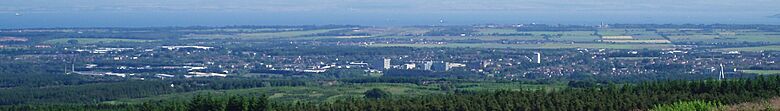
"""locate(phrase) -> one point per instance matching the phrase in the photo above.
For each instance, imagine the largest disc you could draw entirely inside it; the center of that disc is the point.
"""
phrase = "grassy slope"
(343, 91)
(766, 105)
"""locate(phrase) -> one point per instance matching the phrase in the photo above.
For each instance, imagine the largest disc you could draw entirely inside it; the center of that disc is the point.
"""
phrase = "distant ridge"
(774, 16)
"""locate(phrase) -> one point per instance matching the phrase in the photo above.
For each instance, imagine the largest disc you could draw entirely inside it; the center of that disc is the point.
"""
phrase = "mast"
(722, 75)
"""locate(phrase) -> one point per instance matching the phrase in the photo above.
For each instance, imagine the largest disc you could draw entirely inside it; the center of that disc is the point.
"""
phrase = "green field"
(762, 72)
(261, 36)
(93, 40)
(584, 38)
(316, 93)
(497, 31)
(564, 33)
(617, 32)
(638, 41)
(727, 38)
(471, 38)
(753, 49)
(587, 38)
(534, 46)
(241, 29)
(328, 37)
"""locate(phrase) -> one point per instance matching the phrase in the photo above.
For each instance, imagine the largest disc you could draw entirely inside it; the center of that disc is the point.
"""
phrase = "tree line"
(642, 96)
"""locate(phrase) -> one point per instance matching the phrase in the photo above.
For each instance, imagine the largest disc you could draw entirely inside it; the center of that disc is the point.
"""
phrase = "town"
(314, 65)
(509, 52)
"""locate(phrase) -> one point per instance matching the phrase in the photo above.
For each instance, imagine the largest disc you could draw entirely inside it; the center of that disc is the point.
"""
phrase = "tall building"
(426, 65)
(381, 64)
(722, 75)
(440, 66)
(538, 57)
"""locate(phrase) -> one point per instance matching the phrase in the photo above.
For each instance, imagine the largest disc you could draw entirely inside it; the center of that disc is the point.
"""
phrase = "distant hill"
(775, 16)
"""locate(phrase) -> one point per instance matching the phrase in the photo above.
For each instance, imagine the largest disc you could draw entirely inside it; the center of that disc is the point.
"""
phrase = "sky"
(379, 12)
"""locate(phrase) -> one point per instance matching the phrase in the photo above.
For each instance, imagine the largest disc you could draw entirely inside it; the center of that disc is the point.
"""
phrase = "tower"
(538, 57)
(603, 25)
(381, 64)
(440, 66)
(72, 64)
(722, 75)
(386, 63)
(427, 65)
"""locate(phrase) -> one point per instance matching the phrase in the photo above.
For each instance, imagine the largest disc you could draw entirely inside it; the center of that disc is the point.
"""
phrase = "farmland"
(261, 36)
(634, 39)
(532, 46)
(623, 32)
(487, 38)
(93, 40)
(497, 31)
(637, 41)
(326, 65)
(753, 49)
(762, 72)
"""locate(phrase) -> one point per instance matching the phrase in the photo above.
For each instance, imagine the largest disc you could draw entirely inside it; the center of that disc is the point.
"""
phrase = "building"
(440, 66)
(538, 57)
(381, 64)
(426, 65)
(410, 66)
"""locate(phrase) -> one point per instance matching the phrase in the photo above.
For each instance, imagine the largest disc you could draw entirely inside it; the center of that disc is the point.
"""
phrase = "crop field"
(648, 37)
(339, 92)
(93, 40)
(327, 37)
(693, 38)
(753, 49)
(448, 38)
(756, 38)
(492, 38)
(575, 36)
(497, 31)
(762, 72)
(639, 41)
(617, 37)
(243, 29)
(732, 37)
(621, 32)
(584, 38)
(261, 36)
(533, 46)
(564, 33)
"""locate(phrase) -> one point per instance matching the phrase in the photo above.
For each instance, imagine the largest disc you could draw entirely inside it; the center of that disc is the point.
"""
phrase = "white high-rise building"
(381, 64)
(427, 65)
(386, 63)
(722, 75)
(538, 57)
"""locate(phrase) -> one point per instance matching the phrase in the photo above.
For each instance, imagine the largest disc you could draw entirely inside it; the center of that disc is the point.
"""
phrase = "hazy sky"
(420, 6)
(87, 13)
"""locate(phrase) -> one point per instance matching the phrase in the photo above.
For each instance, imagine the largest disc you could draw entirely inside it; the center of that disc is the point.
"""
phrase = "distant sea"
(155, 19)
